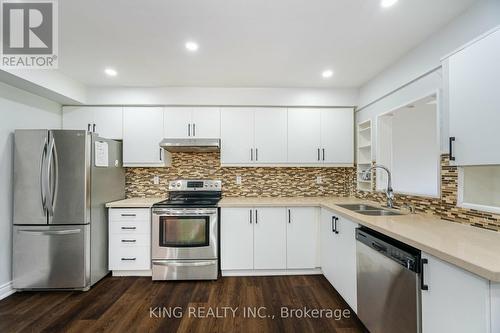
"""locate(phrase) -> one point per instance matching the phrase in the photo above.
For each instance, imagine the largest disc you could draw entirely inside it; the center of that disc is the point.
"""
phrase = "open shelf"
(364, 154)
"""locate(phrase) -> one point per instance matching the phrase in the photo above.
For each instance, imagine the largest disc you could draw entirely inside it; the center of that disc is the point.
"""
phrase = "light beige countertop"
(134, 203)
(471, 248)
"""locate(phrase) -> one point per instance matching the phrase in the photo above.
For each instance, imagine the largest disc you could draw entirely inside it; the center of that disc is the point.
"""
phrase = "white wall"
(18, 109)
(222, 96)
(48, 83)
(404, 82)
(409, 146)
(472, 23)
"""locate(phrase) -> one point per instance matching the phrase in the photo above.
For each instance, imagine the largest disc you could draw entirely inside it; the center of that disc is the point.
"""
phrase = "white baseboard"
(271, 272)
(6, 290)
(133, 273)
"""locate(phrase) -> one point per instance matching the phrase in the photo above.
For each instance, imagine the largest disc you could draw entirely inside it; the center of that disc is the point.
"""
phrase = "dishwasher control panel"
(401, 253)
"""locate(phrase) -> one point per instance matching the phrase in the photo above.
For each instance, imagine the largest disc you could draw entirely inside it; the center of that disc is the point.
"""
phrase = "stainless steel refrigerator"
(62, 180)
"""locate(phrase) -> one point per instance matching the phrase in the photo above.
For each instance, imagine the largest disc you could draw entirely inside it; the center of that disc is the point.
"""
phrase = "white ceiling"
(243, 43)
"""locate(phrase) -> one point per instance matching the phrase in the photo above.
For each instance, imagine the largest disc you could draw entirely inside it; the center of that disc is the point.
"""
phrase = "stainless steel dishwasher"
(388, 282)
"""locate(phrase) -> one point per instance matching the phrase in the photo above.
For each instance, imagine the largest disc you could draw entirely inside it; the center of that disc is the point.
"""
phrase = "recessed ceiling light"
(110, 72)
(327, 73)
(388, 3)
(192, 46)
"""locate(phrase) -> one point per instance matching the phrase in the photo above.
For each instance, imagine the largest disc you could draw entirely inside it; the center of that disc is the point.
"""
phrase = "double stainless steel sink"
(369, 210)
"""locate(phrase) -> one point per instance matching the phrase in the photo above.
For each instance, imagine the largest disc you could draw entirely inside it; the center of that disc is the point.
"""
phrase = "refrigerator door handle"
(43, 181)
(50, 232)
(51, 184)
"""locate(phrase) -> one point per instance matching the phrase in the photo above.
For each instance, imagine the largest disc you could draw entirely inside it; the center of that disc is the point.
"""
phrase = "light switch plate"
(156, 180)
(238, 180)
(319, 180)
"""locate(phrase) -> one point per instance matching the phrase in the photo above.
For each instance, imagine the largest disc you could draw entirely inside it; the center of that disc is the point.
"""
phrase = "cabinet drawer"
(128, 240)
(129, 227)
(129, 214)
(130, 258)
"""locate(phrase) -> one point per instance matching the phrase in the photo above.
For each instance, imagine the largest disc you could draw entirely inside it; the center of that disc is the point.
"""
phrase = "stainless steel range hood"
(190, 145)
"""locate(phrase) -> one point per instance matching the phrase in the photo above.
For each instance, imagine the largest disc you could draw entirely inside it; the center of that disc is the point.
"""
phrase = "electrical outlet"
(319, 180)
(156, 180)
(238, 180)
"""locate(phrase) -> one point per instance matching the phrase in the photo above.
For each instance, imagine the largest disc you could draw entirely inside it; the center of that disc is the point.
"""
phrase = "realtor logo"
(29, 34)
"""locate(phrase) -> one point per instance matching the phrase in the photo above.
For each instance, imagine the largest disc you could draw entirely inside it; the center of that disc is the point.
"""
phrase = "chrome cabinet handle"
(128, 240)
(129, 228)
(336, 220)
(256, 219)
(88, 127)
(256, 154)
(129, 215)
(128, 259)
(189, 129)
(323, 154)
(250, 216)
(451, 140)
(289, 216)
(251, 154)
(161, 159)
(93, 128)
(318, 155)
(194, 129)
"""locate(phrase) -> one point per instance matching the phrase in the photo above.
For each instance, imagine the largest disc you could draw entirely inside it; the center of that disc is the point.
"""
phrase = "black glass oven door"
(184, 231)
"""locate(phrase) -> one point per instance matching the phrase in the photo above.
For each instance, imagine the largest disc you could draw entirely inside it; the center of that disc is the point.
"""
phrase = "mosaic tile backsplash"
(264, 182)
(299, 182)
(444, 207)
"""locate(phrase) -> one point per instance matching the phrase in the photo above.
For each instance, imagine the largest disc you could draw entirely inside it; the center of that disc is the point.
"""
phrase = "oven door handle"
(184, 213)
(185, 264)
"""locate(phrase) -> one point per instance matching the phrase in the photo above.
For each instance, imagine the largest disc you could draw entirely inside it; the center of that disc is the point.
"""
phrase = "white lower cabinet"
(269, 241)
(129, 239)
(302, 237)
(456, 300)
(338, 254)
(236, 238)
(264, 238)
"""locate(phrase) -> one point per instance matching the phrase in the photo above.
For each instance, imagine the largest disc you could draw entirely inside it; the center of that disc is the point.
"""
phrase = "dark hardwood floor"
(136, 304)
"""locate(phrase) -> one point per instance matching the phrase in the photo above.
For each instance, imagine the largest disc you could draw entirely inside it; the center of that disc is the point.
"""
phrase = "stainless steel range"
(185, 230)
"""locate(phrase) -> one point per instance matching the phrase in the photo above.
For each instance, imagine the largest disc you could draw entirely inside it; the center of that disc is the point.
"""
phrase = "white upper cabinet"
(321, 136)
(177, 122)
(337, 136)
(270, 138)
(107, 121)
(192, 122)
(206, 122)
(253, 136)
(237, 136)
(474, 102)
(304, 136)
(142, 133)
